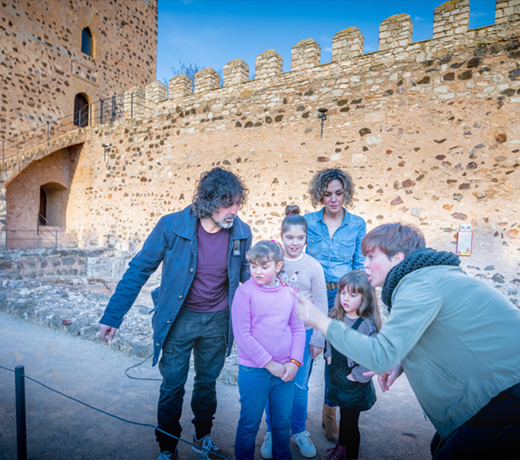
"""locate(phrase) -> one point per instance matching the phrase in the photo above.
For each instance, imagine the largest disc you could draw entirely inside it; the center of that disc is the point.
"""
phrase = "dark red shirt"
(209, 290)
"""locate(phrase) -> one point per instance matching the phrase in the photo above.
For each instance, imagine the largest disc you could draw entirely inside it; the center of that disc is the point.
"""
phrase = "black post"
(48, 132)
(21, 432)
(101, 111)
(113, 108)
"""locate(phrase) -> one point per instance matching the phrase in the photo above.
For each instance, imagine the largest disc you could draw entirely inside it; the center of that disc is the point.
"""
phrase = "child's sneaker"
(207, 447)
(266, 451)
(167, 455)
(304, 443)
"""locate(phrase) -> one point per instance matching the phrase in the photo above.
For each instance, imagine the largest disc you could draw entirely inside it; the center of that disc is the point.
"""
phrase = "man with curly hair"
(203, 254)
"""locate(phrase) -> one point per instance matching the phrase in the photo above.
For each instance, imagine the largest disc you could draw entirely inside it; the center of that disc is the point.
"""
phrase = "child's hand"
(350, 378)
(329, 360)
(315, 351)
(277, 369)
(290, 371)
(388, 378)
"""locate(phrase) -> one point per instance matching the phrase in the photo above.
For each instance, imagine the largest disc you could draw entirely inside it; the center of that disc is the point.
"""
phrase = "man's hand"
(107, 332)
(290, 371)
(310, 314)
(388, 378)
(277, 369)
(315, 351)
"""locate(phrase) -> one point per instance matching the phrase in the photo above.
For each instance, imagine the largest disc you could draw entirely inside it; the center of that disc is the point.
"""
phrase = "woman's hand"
(387, 379)
(310, 314)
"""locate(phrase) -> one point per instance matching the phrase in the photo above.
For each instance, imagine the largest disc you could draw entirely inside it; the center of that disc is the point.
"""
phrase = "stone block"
(305, 55)
(451, 19)
(347, 44)
(180, 86)
(156, 92)
(268, 64)
(206, 80)
(235, 73)
(396, 29)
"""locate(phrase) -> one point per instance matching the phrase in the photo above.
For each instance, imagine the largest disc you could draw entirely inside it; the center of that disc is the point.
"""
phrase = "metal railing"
(45, 235)
(44, 231)
(97, 113)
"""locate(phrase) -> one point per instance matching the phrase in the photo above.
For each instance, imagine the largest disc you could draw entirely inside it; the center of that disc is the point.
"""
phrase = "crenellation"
(347, 44)
(395, 33)
(305, 55)
(206, 80)
(451, 20)
(507, 11)
(268, 64)
(156, 92)
(235, 73)
(179, 87)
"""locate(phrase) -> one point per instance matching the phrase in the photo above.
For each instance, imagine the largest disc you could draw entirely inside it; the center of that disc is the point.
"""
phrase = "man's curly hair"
(321, 181)
(217, 188)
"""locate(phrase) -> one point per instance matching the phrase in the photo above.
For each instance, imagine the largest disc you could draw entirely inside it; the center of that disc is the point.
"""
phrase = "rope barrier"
(205, 452)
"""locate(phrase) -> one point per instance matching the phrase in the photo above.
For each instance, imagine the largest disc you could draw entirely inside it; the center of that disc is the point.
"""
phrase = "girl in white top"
(305, 275)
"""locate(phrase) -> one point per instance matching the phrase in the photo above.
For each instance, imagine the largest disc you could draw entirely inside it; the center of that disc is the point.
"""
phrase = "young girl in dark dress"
(355, 305)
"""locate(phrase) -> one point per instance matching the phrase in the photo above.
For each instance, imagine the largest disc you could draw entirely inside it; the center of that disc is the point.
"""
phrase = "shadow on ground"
(60, 429)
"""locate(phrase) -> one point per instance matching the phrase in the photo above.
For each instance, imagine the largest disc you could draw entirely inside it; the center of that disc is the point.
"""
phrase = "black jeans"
(493, 433)
(205, 334)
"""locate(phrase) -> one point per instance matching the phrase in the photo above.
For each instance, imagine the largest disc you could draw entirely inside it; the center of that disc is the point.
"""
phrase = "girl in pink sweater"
(270, 341)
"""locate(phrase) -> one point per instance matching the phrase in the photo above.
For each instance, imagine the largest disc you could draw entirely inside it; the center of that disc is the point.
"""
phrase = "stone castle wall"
(428, 131)
(42, 67)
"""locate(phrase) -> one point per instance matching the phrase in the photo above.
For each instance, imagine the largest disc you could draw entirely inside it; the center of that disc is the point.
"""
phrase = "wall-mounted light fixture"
(106, 150)
(322, 116)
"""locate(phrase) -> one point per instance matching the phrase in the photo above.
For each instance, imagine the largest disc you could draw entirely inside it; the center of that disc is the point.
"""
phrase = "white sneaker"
(304, 443)
(266, 451)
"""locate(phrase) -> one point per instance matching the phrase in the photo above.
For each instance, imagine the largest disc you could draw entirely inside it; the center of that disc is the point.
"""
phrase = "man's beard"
(224, 223)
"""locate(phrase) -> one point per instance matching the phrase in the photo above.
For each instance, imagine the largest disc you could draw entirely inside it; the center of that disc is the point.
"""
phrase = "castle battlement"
(450, 31)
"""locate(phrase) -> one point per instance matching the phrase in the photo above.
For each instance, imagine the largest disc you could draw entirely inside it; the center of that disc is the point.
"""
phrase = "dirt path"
(60, 429)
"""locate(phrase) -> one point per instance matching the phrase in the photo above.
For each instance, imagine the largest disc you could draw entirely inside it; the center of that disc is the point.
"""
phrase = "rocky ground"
(75, 304)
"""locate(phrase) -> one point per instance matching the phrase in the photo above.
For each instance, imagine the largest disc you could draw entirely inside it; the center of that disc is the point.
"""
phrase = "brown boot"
(336, 453)
(330, 424)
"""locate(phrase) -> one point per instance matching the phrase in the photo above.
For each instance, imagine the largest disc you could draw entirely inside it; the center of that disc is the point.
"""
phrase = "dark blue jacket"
(173, 242)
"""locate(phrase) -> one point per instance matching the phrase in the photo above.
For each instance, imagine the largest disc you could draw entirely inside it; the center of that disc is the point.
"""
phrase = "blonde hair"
(357, 282)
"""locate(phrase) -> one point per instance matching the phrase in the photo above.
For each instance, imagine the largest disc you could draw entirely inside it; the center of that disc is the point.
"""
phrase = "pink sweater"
(265, 325)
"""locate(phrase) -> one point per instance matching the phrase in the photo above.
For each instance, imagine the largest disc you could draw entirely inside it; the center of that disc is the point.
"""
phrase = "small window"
(87, 42)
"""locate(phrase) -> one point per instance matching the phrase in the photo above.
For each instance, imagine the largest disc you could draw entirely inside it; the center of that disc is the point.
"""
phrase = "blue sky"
(210, 33)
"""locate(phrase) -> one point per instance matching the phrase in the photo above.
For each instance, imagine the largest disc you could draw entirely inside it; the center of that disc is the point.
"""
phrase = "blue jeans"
(301, 391)
(256, 387)
(205, 334)
(331, 297)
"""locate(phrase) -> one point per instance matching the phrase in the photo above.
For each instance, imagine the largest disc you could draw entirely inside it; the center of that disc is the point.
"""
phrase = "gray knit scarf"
(422, 258)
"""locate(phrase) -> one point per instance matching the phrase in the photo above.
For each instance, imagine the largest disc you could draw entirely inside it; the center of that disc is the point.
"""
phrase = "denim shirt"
(341, 253)
(173, 242)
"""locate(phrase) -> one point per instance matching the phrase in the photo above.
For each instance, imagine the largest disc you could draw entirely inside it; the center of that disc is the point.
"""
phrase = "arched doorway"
(52, 204)
(81, 110)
